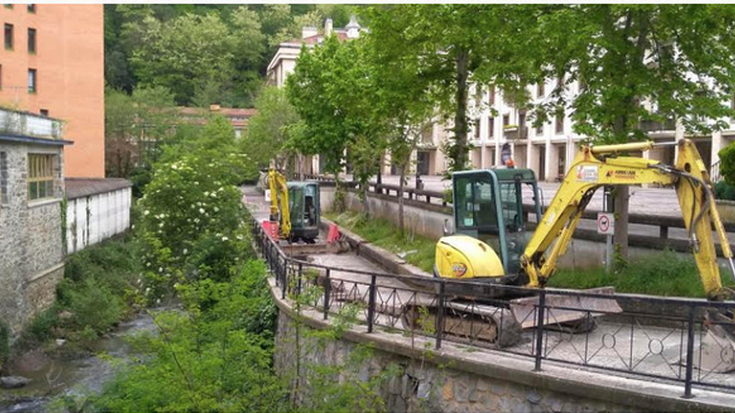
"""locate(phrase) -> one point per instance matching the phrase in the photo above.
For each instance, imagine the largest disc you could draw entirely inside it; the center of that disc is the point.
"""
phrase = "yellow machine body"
(465, 257)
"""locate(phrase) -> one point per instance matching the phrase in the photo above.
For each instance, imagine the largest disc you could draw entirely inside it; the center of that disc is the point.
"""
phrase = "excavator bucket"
(566, 310)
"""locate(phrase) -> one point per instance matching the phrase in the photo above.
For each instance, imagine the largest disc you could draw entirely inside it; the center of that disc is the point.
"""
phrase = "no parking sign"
(605, 223)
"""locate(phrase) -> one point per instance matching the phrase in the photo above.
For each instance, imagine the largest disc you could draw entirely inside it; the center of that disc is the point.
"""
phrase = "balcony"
(28, 124)
(515, 132)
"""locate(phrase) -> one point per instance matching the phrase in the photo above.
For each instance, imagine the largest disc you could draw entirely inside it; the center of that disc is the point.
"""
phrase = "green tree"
(271, 128)
(634, 64)
(135, 126)
(333, 91)
(184, 53)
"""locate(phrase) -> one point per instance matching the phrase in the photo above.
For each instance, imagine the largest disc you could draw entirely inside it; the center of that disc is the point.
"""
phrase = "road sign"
(605, 223)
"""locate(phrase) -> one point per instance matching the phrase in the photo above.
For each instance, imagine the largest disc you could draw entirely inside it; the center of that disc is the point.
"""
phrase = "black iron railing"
(656, 338)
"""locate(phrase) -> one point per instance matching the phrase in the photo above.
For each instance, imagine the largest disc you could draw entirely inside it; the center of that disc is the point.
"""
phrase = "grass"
(663, 274)
(419, 250)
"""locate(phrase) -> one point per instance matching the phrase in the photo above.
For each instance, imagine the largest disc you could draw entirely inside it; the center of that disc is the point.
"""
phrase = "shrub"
(724, 190)
(92, 303)
(727, 163)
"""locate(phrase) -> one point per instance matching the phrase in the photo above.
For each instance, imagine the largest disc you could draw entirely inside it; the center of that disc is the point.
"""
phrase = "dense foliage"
(203, 53)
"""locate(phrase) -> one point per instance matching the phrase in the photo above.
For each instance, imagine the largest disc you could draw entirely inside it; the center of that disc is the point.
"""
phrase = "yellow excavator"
(294, 208)
(492, 245)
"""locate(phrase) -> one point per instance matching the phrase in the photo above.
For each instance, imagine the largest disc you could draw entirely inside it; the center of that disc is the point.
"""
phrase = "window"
(8, 6)
(492, 95)
(560, 122)
(32, 41)
(506, 120)
(491, 126)
(8, 36)
(540, 92)
(4, 178)
(31, 8)
(32, 81)
(540, 129)
(477, 128)
(40, 176)
(44, 112)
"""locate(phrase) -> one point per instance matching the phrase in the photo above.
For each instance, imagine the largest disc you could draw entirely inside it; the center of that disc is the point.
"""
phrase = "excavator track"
(467, 322)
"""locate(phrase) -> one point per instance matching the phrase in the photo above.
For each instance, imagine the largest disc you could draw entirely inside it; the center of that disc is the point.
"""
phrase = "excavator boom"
(594, 167)
(279, 190)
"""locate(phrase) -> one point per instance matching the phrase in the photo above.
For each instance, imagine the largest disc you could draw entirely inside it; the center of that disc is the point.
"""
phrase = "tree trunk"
(459, 152)
(401, 225)
(622, 197)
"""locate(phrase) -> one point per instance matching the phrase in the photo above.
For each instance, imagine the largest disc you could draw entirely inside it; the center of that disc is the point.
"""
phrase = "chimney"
(308, 31)
(328, 26)
(214, 107)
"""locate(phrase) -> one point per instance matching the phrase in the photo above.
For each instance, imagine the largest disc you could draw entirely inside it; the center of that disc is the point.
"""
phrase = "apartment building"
(549, 148)
(52, 64)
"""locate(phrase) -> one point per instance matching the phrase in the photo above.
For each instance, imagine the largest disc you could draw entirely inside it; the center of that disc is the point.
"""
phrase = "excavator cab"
(489, 207)
(304, 208)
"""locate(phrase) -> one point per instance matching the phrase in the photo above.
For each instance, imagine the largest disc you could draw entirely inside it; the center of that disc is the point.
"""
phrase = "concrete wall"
(94, 218)
(421, 385)
(31, 256)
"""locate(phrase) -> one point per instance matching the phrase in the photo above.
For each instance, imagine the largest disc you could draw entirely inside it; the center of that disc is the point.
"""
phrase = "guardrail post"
(298, 281)
(327, 292)
(690, 354)
(663, 232)
(371, 304)
(284, 282)
(540, 329)
(440, 316)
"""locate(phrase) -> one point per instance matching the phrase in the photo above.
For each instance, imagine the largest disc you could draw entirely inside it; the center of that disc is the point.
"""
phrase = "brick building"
(52, 64)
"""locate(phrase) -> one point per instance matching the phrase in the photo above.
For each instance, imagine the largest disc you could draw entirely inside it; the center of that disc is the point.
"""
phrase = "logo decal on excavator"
(618, 174)
(587, 173)
(459, 269)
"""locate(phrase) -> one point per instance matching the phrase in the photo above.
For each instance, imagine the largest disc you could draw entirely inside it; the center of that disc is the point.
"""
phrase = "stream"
(52, 378)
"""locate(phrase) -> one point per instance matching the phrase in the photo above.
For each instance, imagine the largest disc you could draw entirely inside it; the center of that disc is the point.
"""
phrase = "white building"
(547, 149)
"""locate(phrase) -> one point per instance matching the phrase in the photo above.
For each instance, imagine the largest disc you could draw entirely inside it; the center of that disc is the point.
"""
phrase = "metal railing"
(655, 338)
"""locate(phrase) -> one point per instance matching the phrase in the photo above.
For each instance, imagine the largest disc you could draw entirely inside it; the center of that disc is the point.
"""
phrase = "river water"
(53, 378)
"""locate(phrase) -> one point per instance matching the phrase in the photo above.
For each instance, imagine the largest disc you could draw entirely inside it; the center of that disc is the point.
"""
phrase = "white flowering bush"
(192, 221)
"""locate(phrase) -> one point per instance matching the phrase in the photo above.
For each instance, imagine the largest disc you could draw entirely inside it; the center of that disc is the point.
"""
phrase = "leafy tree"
(333, 91)
(270, 129)
(635, 63)
(135, 126)
(187, 51)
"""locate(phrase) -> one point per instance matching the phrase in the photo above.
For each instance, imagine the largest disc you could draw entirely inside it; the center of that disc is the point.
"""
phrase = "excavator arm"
(279, 190)
(595, 166)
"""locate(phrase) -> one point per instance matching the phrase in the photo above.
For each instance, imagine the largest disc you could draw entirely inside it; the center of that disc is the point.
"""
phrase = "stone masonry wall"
(31, 258)
(422, 386)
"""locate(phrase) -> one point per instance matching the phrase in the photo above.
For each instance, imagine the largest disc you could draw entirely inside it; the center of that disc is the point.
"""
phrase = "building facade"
(31, 192)
(239, 118)
(53, 65)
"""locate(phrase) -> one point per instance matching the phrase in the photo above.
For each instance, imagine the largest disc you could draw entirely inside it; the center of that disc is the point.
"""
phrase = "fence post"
(690, 354)
(284, 275)
(327, 292)
(298, 281)
(540, 329)
(371, 304)
(440, 316)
